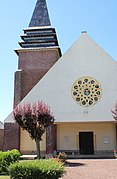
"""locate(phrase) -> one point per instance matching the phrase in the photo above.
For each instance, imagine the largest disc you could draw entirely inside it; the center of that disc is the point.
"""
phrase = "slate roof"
(40, 15)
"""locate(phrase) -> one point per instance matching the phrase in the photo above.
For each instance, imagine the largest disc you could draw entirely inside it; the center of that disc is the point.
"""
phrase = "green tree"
(34, 118)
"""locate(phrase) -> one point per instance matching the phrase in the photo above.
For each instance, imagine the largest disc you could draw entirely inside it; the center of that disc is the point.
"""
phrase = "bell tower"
(38, 53)
(39, 50)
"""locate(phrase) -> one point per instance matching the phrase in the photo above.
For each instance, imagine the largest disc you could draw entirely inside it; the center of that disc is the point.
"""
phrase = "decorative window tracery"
(86, 91)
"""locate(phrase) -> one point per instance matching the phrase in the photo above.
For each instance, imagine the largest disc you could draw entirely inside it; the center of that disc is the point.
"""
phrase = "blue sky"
(69, 17)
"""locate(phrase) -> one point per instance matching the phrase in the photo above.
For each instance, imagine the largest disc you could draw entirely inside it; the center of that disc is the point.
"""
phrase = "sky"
(69, 17)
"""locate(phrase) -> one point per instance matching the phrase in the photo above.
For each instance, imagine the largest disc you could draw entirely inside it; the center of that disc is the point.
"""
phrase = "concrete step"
(91, 156)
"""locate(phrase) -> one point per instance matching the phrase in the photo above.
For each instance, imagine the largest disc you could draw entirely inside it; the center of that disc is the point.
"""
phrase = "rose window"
(86, 91)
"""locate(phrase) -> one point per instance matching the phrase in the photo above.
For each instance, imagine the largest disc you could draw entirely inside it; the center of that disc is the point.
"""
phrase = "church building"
(80, 87)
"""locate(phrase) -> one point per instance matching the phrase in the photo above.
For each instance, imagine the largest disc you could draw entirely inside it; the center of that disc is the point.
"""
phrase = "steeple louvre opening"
(39, 37)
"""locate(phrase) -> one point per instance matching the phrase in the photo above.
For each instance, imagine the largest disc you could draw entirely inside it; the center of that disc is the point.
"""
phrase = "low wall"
(97, 154)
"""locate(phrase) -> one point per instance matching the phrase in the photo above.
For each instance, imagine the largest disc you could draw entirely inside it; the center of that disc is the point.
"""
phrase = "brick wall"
(37, 59)
(32, 66)
(51, 138)
(18, 85)
(1, 138)
(11, 136)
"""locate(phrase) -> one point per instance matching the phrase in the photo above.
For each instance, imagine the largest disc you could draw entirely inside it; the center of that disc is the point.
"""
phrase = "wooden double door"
(86, 143)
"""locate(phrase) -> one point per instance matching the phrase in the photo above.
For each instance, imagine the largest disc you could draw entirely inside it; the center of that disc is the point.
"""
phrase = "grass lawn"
(4, 177)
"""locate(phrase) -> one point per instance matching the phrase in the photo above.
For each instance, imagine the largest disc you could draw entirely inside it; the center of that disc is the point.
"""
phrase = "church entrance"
(86, 144)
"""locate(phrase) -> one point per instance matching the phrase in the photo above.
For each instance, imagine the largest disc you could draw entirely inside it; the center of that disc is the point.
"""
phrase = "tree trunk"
(38, 148)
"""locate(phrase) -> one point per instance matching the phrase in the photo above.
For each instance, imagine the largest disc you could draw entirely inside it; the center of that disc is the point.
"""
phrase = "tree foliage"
(34, 118)
(114, 111)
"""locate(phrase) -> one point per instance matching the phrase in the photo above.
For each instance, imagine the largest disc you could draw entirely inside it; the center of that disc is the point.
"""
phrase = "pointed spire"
(40, 15)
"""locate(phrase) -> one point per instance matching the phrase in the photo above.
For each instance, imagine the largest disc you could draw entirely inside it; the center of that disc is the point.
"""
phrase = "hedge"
(37, 169)
(6, 158)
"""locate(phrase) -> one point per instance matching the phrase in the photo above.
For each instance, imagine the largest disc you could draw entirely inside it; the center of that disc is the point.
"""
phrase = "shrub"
(42, 169)
(62, 156)
(6, 158)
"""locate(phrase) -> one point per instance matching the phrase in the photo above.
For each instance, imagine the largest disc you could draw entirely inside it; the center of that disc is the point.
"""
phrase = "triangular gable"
(84, 58)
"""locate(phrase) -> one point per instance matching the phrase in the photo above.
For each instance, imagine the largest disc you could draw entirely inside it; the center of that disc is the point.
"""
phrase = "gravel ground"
(91, 169)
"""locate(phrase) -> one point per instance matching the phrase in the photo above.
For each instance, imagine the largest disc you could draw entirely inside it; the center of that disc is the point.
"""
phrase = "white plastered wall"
(84, 58)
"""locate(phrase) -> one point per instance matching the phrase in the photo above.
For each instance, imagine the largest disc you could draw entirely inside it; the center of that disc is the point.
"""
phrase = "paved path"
(91, 169)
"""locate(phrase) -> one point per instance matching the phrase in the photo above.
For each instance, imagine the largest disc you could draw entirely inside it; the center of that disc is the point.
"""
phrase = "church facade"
(79, 86)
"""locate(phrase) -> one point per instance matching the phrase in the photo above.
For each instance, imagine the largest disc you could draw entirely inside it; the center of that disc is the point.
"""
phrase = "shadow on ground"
(73, 164)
